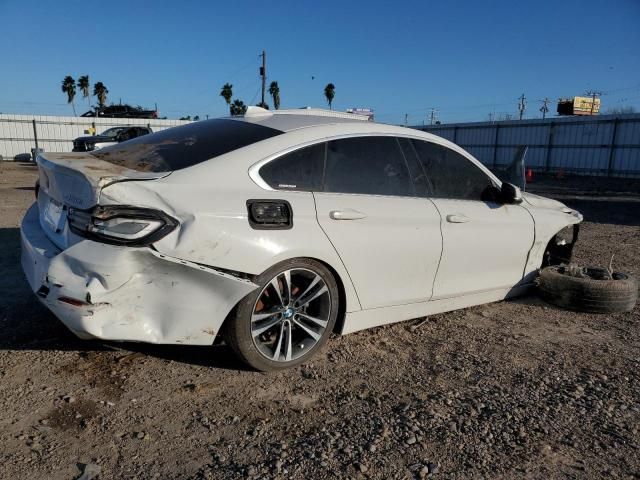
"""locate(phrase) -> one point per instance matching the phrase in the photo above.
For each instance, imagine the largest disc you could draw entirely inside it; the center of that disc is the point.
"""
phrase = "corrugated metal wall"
(56, 134)
(604, 145)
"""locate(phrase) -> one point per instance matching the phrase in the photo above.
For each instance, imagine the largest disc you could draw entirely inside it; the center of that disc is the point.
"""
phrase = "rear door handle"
(347, 214)
(457, 218)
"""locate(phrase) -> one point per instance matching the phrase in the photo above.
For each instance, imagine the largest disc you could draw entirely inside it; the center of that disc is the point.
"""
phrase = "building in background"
(579, 106)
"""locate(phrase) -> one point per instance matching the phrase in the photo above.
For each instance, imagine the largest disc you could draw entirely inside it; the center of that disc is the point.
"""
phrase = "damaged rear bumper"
(127, 294)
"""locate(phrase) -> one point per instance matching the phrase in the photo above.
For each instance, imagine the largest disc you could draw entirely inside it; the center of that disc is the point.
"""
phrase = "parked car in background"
(109, 137)
(121, 111)
(275, 229)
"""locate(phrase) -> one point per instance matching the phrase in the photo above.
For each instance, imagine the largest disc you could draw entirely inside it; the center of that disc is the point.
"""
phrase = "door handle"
(457, 218)
(347, 214)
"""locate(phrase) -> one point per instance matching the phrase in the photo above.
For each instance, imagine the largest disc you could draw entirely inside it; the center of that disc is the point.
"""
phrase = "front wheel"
(288, 318)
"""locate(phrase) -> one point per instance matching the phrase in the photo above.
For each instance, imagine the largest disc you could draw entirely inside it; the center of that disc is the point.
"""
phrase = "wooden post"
(35, 133)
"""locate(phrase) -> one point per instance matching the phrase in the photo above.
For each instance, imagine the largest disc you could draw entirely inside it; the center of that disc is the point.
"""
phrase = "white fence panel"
(56, 134)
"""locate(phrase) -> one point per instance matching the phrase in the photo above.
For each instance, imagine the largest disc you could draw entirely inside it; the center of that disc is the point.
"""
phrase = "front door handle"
(347, 214)
(457, 218)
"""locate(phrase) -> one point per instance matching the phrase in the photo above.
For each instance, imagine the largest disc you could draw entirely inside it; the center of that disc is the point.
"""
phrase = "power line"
(593, 94)
(522, 105)
(263, 74)
(433, 116)
(544, 108)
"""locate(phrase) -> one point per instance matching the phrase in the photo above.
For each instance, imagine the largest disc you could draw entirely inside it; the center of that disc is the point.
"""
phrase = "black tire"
(237, 331)
(595, 293)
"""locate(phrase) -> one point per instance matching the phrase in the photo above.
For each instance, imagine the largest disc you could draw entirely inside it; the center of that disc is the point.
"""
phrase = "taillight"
(270, 214)
(121, 224)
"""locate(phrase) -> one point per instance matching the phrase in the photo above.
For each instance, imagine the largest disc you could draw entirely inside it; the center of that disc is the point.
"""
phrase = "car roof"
(301, 128)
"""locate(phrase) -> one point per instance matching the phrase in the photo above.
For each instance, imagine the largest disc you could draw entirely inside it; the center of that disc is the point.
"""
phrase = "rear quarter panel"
(214, 226)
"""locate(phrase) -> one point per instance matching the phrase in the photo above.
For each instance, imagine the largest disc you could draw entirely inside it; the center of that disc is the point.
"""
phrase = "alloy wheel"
(290, 315)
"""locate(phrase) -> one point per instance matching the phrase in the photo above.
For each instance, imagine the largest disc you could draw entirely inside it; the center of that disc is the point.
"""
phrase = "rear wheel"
(288, 318)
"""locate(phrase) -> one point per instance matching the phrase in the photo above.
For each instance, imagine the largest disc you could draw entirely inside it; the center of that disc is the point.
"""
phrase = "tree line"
(237, 106)
(69, 85)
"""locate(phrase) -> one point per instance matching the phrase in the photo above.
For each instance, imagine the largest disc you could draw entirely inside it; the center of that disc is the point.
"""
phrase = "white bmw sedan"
(275, 229)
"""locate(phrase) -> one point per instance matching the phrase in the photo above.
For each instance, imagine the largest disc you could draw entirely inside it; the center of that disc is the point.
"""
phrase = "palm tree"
(238, 107)
(330, 93)
(83, 85)
(227, 93)
(69, 87)
(274, 91)
(100, 91)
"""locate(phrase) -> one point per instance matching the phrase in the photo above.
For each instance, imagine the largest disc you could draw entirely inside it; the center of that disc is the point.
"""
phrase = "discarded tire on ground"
(588, 289)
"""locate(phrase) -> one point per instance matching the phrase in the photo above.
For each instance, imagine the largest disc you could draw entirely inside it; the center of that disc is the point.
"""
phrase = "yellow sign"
(586, 106)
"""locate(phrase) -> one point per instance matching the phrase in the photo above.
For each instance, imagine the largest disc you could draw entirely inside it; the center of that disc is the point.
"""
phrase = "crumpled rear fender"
(123, 293)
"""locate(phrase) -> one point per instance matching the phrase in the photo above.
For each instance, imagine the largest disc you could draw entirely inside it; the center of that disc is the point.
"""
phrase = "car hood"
(548, 203)
(542, 202)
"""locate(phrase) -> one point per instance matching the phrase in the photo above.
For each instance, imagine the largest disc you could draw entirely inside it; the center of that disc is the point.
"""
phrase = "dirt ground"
(516, 389)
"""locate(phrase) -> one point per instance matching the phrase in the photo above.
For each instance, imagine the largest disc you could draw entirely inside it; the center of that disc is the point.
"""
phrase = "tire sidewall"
(588, 294)
(238, 334)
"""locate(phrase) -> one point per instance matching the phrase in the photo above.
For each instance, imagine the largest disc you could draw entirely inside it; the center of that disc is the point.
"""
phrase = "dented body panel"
(550, 216)
(127, 294)
(214, 227)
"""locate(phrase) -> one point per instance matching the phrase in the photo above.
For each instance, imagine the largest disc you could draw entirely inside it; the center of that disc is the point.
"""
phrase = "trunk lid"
(74, 180)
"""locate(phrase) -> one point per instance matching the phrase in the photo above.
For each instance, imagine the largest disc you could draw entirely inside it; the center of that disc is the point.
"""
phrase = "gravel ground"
(516, 389)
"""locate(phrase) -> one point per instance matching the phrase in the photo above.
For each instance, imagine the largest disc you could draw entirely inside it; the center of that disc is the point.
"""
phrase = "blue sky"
(464, 58)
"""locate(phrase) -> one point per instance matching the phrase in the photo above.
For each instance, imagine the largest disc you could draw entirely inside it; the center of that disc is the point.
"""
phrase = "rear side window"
(420, 181)
(367, 165)
(298, 170)
(450, 174)
(181, 147)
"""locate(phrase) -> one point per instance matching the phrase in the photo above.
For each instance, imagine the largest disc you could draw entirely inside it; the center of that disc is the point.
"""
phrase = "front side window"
(181, 147)
(367, 165)
(298, 170)
(450, 174)
(113, 132)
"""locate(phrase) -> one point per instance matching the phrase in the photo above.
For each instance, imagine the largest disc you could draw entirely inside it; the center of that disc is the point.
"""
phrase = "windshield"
(181, 147)
(112, 132)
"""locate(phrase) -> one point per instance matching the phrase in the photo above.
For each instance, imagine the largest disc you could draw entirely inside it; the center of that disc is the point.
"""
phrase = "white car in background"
(276, 229)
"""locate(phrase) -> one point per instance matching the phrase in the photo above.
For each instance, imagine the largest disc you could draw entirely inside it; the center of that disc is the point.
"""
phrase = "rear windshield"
(181, 147)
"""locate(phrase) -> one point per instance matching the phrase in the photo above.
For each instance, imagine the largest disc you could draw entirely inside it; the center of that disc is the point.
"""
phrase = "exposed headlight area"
(566, 236)
(560, 249)
(121, 225)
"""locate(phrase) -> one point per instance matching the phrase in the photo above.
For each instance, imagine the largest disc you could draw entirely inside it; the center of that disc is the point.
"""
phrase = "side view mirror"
(510, 193)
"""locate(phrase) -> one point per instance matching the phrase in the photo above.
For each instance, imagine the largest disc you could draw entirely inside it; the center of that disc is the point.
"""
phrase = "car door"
(485, 242)
(388, 238)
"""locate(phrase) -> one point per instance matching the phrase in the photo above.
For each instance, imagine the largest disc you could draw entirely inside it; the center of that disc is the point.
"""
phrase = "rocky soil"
(516, 389)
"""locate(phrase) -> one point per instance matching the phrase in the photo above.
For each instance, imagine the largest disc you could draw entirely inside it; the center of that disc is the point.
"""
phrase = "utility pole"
(593, 94)
(433, 116)
(544, 108)
(406, 119)
(263, 74)
(522, 105)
